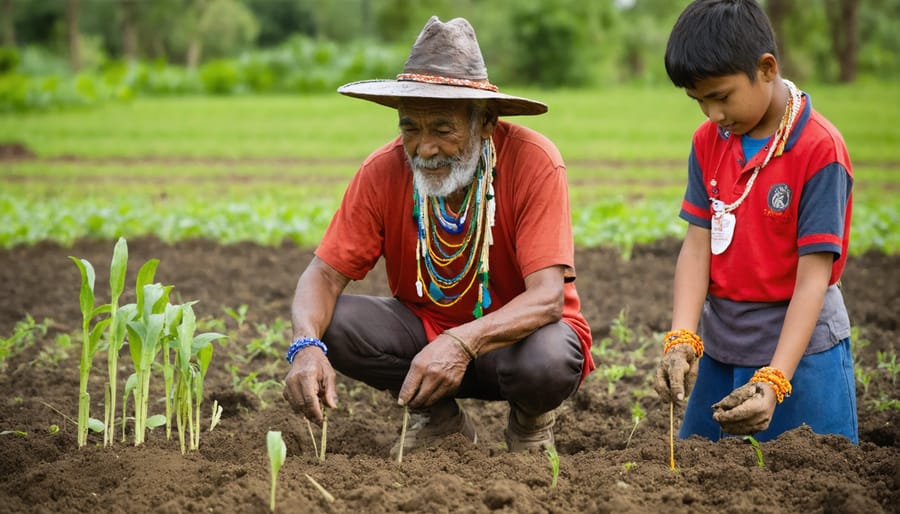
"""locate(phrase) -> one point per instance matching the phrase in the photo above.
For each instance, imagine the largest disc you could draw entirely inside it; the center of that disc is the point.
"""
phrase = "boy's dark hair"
(714, 38)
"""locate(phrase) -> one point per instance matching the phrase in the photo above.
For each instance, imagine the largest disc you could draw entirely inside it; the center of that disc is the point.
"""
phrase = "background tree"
(128, 9)
(842, 19)
(72, 31)
(9, 28)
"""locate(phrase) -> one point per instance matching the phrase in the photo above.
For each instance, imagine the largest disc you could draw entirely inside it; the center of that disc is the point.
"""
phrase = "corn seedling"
(759, 456)
(145, 341)
(325, 494)
(637, 414)
(168, 345)
(403, 434)
(116, 337)
(277, 455)
(553, 458)
(192, 357)
(90, 339)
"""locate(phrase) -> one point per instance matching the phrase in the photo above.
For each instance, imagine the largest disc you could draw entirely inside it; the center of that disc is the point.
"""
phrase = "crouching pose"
(471, 216)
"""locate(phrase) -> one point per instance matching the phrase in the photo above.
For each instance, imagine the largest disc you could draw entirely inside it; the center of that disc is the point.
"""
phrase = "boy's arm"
(677, 370)
(749, 408)
(813, 274)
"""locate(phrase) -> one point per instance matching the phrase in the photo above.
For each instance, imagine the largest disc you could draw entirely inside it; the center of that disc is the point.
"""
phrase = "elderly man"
(471, 215)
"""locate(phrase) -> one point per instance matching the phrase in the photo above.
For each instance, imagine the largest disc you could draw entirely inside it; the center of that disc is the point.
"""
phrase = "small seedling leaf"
(95, 425)
(117, 269)
(157, 420)
(86, 298)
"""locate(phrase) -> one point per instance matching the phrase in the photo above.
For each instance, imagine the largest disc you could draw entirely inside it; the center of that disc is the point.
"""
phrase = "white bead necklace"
(776, 148)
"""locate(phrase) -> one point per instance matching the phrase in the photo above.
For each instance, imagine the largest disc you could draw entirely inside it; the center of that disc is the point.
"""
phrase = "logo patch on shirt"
(779, 197)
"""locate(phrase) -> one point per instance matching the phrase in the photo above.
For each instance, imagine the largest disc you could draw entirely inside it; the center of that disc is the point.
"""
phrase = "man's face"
(443, 144)
(736, 104)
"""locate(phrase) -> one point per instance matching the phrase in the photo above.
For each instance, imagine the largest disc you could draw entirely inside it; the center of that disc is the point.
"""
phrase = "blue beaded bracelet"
(302, 343)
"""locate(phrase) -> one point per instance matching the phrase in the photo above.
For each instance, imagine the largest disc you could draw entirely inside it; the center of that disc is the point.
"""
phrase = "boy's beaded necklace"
(433, 252)
(723, 221)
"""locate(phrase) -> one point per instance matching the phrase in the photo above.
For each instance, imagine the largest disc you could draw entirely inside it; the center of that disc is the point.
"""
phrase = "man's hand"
(310, 379)
(434, 373)
(676, 373)
(747, 410)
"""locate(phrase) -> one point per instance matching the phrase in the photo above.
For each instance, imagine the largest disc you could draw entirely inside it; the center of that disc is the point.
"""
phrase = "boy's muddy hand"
(676, 373)
(747, 410)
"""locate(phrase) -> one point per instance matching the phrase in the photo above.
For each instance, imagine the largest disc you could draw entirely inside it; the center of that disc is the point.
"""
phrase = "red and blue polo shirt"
(800, 203)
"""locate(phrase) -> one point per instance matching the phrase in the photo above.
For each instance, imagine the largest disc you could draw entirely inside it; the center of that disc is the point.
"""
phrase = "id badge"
(722, 231)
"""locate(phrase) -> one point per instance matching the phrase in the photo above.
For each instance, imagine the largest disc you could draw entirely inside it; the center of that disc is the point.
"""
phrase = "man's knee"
(546, 370)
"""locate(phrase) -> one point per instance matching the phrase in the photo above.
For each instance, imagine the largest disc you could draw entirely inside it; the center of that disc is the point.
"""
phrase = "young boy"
(768, 205)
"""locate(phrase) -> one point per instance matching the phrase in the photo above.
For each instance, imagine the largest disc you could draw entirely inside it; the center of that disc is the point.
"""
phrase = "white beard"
(462, 171)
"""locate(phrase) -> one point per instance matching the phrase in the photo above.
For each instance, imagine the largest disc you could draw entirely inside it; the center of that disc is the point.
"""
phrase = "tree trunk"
(72, 27)
(9, 28)
(842, 18)
(129, 29)
(779, 11)
(194, 51)
(195, 48)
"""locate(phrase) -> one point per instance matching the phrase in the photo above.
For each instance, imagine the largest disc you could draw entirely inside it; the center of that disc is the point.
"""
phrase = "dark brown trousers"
(374, 339)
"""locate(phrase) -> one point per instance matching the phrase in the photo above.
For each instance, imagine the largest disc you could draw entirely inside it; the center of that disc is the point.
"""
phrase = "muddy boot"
(524, 432)
(427, 426)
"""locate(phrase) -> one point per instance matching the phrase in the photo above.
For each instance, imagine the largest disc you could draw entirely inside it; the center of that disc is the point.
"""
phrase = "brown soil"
(601, 469)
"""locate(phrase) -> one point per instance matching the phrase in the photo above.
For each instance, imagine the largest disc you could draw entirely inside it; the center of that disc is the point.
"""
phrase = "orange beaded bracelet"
(683, 336)
(775, 378)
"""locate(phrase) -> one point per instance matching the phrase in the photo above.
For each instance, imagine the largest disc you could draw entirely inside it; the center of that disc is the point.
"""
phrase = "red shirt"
(800, 203)
(532, 231)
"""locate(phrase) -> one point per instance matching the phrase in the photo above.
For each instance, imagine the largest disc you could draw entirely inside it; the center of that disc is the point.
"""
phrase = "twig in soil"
(672, 435)
(328, 497)
(324, 434)
(313, 437)
(403, 435)
(54, 409)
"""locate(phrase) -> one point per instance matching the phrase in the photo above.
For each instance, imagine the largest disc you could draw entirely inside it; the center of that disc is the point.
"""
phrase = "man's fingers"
(329, 390)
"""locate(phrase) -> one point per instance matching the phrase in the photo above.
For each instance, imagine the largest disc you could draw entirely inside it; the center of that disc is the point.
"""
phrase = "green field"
(266, 169)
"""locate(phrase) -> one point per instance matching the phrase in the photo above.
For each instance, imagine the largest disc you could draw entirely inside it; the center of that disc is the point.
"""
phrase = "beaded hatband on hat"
(445, 63)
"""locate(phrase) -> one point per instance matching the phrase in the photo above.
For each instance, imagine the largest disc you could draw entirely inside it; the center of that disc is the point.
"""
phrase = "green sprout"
(759, 456)
(239, 315)
(277, 455)
(146, 333)
(116, 337)
(90, 339)
(553, 458)
(637, 414)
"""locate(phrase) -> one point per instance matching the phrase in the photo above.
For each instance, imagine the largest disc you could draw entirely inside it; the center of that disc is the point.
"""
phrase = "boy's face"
(738, 105)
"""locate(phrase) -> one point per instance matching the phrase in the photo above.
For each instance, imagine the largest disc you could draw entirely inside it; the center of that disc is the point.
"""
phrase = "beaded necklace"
(723, 221)
(434, 252)
(775, 149)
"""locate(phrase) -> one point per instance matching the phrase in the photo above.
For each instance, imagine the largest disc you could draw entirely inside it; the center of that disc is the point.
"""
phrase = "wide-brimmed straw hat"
(445, 63)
